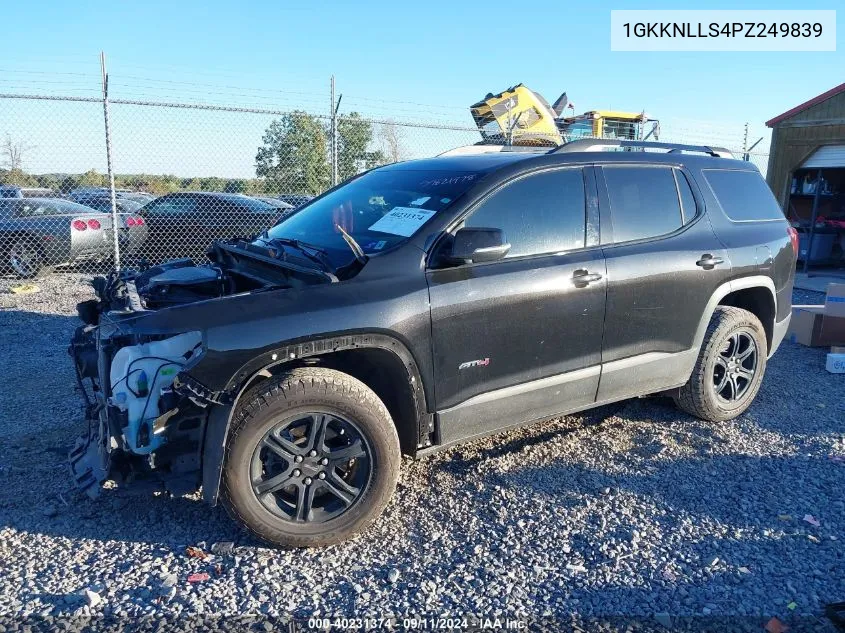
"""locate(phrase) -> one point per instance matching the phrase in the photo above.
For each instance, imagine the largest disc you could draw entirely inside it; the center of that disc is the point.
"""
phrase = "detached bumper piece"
(90, 458)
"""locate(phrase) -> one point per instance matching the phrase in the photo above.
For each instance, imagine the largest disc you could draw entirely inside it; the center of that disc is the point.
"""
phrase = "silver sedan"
(36, 233)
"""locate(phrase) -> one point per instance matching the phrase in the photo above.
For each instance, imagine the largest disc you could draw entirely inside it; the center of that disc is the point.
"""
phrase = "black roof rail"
(587, 144)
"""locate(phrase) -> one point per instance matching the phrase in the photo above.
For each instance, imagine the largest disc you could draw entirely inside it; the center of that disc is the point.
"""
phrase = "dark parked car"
(83, 193)
(103, 203)
(14, 191)
(426, 303)
(284, 208)
(296, 200)
(184, 224)
(37, 233)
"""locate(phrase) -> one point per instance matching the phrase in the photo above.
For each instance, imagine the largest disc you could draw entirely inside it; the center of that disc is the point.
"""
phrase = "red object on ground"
(776, 626)
(198, 577)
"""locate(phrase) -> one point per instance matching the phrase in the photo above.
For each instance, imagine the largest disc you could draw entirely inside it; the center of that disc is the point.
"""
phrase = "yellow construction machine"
(520, 116)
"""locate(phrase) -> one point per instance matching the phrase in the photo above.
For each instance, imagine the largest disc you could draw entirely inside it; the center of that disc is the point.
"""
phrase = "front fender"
(220, 416)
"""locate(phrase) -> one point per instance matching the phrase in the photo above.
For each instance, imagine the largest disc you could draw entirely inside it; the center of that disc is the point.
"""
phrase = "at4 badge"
(482, 362)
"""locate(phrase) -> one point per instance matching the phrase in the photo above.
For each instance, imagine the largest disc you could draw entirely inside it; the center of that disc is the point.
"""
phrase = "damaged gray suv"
(427, 303)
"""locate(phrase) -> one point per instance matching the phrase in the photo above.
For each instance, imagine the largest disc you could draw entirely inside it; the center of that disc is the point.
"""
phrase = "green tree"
(17, 177)
(235, 186)
(212, 184)
(354, 139)
(293, 157)
(68, 184)
(48, 181)
(92, 178)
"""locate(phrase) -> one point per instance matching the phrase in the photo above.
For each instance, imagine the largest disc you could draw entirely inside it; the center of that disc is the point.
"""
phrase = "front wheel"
(312, 459)
(729, 369)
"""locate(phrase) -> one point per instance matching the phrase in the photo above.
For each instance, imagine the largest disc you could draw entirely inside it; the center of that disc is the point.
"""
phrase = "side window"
(688, 209)
(743, 195)
(643, 201)
(540, 213)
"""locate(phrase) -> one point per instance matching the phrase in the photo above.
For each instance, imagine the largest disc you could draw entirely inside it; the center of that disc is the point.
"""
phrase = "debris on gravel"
(92, 598)
(665, 517)
(224, 548)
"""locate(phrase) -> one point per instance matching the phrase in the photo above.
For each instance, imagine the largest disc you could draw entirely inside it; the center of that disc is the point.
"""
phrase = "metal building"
(807, 174)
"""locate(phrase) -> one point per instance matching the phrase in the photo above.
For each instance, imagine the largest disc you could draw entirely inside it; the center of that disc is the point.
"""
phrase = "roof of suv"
(488, 162)
(469, 162)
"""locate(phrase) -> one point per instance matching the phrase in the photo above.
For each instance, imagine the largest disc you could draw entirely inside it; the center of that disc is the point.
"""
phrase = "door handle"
(582, 278)
(708, 262)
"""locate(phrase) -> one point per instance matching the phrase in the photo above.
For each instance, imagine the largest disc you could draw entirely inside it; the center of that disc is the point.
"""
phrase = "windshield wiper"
(360, 255)
(314, 253)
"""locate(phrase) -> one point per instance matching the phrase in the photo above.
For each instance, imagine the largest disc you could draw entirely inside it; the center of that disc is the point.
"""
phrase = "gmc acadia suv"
(427, 303)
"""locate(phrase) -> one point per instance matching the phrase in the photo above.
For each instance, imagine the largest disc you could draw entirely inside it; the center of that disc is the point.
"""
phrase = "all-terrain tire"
(303, 390)
(699, 396)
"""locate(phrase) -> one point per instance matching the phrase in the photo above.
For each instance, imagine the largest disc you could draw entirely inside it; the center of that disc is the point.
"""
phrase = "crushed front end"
(143, 422)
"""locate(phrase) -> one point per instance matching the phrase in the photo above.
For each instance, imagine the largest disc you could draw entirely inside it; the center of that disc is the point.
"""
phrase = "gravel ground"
(641, 511)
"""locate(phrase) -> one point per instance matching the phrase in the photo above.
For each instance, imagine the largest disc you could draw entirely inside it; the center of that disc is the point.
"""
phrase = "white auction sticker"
(402, 221)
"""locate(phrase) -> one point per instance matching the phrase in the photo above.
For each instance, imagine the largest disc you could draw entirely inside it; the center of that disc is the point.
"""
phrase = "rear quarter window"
(743, 195)
(644, 201)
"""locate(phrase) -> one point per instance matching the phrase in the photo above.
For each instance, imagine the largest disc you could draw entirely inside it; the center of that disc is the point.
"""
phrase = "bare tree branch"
(13, 153)
(391, 139)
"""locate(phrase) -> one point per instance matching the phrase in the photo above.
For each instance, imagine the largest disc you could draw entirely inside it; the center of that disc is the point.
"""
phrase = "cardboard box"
(835, 363)
(812, 327)
(834, 303)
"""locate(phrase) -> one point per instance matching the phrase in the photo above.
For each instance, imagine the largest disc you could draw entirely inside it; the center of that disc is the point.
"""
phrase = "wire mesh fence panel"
(189, 174)
(51, 150)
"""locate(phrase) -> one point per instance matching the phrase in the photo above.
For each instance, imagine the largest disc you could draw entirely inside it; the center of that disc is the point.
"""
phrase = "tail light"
(79, 225)
(130, 221)
(94, 225)
(139, 221)
(793, 237)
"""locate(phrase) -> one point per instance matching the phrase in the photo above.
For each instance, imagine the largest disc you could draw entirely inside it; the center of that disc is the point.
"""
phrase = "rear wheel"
(730, 367)
(24, 258)
(312, 459)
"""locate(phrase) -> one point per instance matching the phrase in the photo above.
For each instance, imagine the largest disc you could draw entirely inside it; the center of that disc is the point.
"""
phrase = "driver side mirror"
(477, 244)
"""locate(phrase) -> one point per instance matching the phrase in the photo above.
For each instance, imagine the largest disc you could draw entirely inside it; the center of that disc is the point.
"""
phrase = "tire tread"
(693, 396)
(301, 382)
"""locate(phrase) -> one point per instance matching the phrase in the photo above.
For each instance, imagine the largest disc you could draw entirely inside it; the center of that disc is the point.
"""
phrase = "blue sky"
(389, 56)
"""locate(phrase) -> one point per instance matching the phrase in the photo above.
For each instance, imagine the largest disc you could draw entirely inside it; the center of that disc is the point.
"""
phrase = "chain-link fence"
(187, 173)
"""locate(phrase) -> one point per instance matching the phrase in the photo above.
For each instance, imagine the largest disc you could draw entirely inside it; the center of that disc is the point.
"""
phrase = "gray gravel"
(639, 510)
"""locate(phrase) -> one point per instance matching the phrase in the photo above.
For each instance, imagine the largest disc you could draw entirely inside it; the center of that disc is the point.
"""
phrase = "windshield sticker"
(402, 221)
(450, 180)
(420, 201)
(379, 245)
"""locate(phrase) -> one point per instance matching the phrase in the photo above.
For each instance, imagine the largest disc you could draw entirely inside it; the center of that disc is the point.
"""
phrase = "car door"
(663, 264)
(520, 338)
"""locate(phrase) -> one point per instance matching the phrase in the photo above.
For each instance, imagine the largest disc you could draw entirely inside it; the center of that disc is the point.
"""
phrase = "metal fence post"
(114, 218)
(334, 136)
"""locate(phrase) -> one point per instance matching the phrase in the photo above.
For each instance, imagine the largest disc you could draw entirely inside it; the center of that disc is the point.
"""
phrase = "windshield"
(379, 210)
(34, 207)
(104, 204)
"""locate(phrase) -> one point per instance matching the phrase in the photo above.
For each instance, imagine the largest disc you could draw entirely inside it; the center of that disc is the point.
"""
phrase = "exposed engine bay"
(144, 416)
